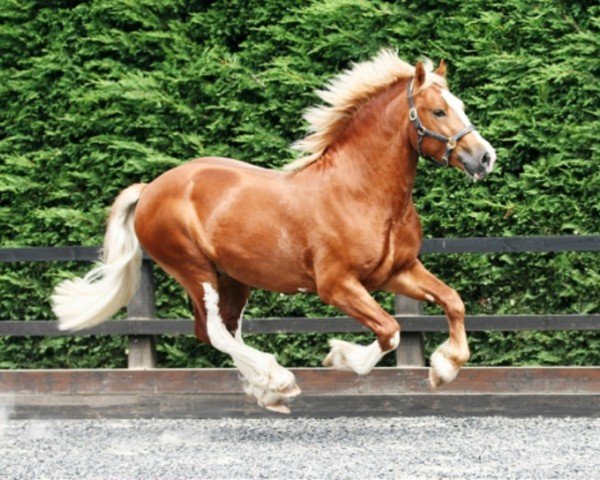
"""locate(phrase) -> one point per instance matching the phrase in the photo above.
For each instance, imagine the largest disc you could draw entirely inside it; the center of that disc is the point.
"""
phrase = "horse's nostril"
(485, 160)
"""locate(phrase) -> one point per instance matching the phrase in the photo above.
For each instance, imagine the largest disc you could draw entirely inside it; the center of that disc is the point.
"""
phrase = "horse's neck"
(385, 179)
(374, 159)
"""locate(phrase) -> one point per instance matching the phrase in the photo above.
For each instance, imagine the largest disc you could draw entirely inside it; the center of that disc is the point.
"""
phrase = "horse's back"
(213, 175)
(207, 180)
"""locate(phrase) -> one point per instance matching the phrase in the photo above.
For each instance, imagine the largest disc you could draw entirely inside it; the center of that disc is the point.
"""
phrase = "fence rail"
(409, 323)
(215, 393)
(141, 326)
(566, 243)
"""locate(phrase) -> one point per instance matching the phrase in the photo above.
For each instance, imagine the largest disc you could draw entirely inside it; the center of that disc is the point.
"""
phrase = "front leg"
(351, 297)
(418, 283)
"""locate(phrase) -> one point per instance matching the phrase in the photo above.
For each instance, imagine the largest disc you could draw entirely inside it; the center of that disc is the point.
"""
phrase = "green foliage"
(98, 95)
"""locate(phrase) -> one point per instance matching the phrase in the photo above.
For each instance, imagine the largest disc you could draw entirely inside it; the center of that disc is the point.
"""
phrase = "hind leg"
(271, 384)
(218, 304)
(233, 299)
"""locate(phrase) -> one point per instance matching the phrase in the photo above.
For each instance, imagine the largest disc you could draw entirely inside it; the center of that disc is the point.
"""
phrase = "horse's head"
(442, 130)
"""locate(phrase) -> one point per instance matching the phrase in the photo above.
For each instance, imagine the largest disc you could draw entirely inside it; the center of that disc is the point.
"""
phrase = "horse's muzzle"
(479, 163)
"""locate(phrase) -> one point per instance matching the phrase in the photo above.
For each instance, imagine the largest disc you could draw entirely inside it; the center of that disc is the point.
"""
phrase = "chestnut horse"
(340, 222)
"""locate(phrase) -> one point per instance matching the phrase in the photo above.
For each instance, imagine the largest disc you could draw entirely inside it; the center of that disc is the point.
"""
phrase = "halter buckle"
(451, 143)
(412, 114)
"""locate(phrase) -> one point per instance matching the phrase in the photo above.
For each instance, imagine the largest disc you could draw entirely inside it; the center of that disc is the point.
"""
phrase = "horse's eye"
(438, 112)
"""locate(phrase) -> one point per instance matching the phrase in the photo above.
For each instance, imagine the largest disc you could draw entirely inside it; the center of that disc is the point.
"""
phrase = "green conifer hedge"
(96, 95)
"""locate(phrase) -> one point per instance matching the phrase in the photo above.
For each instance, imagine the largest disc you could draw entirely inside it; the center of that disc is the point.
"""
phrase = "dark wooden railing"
(142, 326)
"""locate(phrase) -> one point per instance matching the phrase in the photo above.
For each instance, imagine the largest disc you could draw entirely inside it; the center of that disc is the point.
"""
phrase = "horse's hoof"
(281, 397)
(279, 408)
(434, 379)
(292, 392)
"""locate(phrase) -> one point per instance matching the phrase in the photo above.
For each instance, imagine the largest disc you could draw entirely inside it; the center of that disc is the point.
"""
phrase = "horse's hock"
(143, 391)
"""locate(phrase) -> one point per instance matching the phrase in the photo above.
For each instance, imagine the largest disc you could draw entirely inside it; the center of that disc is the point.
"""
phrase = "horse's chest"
(399, 246)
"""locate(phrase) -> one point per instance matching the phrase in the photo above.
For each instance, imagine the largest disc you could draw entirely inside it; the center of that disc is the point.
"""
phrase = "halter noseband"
(422, 131)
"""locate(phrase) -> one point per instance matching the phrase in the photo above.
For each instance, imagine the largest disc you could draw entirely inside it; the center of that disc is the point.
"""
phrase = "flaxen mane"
(342, 95)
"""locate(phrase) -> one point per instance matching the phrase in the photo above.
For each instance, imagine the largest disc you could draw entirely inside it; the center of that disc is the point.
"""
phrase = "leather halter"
(422, 131)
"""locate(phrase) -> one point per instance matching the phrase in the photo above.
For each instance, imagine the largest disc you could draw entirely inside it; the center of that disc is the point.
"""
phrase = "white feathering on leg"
(359, 359)
(271, 384)
(443, 370)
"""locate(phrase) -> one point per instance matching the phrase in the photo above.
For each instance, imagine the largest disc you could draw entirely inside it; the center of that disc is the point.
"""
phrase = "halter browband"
(422, 131)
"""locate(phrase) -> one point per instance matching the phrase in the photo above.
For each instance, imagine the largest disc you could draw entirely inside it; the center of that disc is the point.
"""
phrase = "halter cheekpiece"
(422, 131)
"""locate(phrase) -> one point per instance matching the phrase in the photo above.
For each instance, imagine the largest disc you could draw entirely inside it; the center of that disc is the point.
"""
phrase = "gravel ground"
(347, 448)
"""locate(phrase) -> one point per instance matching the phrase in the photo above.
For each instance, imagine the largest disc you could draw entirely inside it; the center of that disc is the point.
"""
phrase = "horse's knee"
(389, 336)
(453, 304)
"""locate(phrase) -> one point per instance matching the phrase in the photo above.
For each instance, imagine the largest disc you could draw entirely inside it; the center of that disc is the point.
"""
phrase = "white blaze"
(457, 105)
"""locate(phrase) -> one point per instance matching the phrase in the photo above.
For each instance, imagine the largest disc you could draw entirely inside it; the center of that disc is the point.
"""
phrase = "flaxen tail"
(85, 302)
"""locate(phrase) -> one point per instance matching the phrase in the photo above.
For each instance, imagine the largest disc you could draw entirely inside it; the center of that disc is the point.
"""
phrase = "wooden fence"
(533, 387)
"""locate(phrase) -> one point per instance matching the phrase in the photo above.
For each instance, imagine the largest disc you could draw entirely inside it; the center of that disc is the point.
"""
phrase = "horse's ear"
(419, 74)
(441, 69)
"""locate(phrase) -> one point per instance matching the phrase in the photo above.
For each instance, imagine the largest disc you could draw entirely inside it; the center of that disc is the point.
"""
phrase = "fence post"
(142, 348)
(411, 351)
